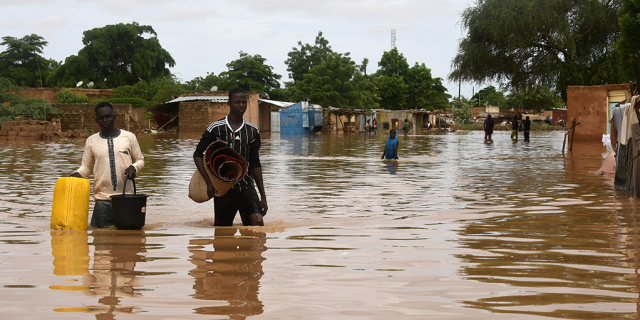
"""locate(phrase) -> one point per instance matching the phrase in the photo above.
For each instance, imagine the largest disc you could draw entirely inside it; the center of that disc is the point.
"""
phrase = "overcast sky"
(203, 36)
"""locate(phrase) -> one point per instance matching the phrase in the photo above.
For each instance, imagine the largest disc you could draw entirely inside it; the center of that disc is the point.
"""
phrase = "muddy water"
(456, 229)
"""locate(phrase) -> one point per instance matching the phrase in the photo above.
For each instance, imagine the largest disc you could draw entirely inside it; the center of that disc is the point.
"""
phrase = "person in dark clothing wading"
(243, 137)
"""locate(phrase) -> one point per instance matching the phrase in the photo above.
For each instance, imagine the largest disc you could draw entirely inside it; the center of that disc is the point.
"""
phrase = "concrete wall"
(589, 106)
(49, 93)
(197, 115)
(77, 116)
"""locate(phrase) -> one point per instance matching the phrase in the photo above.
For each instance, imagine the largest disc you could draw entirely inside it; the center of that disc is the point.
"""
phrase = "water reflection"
(114, 276)
(391, 166)
(563, 262)
(230, 273)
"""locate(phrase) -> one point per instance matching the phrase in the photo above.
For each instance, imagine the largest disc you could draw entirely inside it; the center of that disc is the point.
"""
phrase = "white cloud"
(51, 21)
(360, 9)
(178, 12)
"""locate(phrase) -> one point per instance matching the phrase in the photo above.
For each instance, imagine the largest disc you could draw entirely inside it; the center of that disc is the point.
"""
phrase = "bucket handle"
(124, 188)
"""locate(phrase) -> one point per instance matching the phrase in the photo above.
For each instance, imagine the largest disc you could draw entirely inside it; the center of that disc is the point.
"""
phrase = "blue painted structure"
(300, 119)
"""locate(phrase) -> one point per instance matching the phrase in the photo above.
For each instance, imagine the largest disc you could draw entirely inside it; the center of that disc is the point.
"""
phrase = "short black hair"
(236, 90)
(102, 105)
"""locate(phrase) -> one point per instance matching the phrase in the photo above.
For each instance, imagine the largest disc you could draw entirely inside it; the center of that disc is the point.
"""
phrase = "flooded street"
(456, 229)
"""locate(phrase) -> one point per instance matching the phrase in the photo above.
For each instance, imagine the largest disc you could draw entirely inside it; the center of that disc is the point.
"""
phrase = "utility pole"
(459, 85)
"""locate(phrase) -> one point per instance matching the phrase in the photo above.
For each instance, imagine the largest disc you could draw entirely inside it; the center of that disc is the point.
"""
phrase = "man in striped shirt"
(243, 137)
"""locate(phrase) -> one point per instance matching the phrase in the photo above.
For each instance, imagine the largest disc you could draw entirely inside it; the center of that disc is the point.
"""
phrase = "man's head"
(405, 120)
(237, 102)
(105, 117)
(527, 117)
(488, 116)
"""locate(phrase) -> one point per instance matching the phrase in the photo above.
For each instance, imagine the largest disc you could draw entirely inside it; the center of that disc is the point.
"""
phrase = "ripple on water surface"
(455, 229)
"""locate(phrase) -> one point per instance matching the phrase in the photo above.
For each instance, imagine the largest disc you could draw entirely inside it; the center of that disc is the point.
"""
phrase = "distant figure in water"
(527, 128)
(488, 128)
(514, 128)
(391, 148)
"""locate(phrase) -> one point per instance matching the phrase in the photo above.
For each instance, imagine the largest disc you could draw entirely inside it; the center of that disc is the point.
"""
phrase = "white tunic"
(107, 158)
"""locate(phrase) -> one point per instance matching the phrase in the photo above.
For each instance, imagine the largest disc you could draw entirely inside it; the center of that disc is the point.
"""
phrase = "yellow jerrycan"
(70, 204)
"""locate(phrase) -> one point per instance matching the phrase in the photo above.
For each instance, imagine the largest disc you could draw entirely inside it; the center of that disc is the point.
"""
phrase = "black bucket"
(129, 210)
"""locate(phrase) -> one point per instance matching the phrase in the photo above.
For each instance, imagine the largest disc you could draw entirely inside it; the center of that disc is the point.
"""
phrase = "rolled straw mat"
(224, 166)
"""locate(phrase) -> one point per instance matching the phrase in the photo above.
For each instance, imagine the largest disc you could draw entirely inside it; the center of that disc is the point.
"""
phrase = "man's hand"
(130, 172)
(264, 206)
(211, 191)
(75, 175)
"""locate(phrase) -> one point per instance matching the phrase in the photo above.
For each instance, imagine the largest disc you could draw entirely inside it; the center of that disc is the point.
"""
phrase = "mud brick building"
(591, 107)
(197, 111)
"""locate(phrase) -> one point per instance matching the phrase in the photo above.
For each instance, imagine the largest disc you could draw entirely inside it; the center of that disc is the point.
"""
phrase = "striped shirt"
(245, 140)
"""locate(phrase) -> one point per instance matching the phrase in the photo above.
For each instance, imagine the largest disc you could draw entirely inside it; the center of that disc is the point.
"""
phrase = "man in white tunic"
(110, 155)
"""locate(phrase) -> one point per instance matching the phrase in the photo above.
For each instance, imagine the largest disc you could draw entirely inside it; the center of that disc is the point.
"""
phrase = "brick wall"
(30, 130)
(195, 116)
(76, 116)
(49, 93)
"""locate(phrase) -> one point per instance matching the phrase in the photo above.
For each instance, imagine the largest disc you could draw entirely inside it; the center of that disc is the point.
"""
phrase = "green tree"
(250, 73)
(392, 88)
(22, 62)
(532, 43)
(116, 55)
(204, 84)
(155, 92)
(302, 59)
(629, 43)
(329, 84)
(537, 98)
(461, 109)
(424, 91)
(491, 96)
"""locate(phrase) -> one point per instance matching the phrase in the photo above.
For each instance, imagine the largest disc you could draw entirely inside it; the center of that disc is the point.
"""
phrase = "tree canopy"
(329, 83)
(116, 55)
(250, 73)
(629, 43)
(22, 63)
(401, 87)
(534, 43)
(302, 59)
(491, 96)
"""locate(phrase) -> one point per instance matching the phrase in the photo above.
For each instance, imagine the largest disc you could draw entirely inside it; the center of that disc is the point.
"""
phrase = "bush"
(66, 96)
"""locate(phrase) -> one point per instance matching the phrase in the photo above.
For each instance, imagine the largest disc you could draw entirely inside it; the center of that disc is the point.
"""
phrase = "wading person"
(527, 127)
(514, 128)
(391, 148)
(110, 155)
(405, 127)
(244, 138)
(488, 128)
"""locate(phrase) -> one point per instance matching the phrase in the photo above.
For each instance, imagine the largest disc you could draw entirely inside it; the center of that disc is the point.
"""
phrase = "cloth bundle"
(225, 167)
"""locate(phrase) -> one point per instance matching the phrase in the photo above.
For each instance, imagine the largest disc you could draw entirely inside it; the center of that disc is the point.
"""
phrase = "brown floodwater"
(457, 229)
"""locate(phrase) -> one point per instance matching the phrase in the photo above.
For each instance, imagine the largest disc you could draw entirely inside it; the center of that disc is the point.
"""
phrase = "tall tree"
(392, 88)
(22, 63)
(306, 56)
(491, 96)
(629, 43)
(530, 43)
(425, 91)
(116, 55)
(329, 84)
(250, 73)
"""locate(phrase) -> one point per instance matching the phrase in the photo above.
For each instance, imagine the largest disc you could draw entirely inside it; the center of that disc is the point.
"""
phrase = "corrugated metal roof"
(200, 98)
(281, 104)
